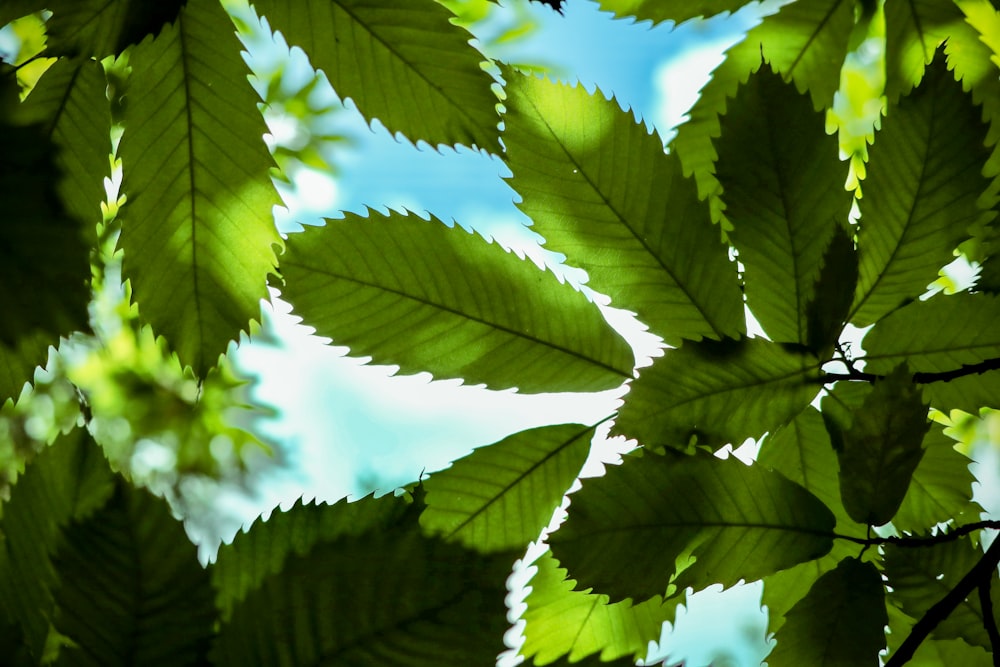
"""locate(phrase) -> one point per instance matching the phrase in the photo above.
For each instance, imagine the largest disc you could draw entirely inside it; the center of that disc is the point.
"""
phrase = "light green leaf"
(712, 393)
(941, 489)
(263, 551)
(658, 11)
(914, 29)
(101, 28)
(924, 179)
(805, 42)
(839, 622)
(604, 193)
(132, 591)
(431, 298)
(197, 230)
(626, 530)
(881, 448)
(439, 92)
(372, 600)
(501, 496)
(920, 578)
(560, 621)
(779, 172)
(68, 481)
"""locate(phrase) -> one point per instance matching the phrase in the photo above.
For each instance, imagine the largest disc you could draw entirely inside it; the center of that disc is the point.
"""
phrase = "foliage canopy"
(857, 514)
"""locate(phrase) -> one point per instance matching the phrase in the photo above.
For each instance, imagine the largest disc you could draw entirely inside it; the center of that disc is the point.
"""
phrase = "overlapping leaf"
(941, 488)
(924, 180)
(658, 11)
(432, 298)
(834, 291)
(198, 229)
(132, 590)
(101, 28)
(68, 481)
(501, 496)
(560, 621)
(839, 622)
(403, 63)
(970, 393)
(914, 29)
(717, 392)
(604, 193)
(18, 362)
(626, 530)
(779, 172)
(380, 598)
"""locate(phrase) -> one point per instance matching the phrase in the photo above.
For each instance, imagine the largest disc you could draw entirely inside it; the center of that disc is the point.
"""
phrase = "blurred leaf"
(501, 496)
(669, 10)
(604, 193)
(431, 298)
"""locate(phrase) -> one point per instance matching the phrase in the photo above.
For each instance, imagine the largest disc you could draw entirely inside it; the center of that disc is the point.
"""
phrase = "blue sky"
(354, 427)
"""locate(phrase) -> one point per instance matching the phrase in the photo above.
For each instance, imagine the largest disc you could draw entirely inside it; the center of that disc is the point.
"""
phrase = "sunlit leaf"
(560, 621)
(198, 230)
(501, 496)
(776, 166)
(914, 29)
(839, 622)
(924, 179)
(941, 488)
(604, 193)
(717, 392)
(132, 590)
(428, 297)
(626, 530)
(367, 48)
(669, 10)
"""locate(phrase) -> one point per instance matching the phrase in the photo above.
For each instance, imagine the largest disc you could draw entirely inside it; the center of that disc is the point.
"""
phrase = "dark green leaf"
(834, 291)
(882, 448)
(924, 179)
(381, 598)
(68, 481)
(101, 28)
(970, 393)
(18, 363)
(439, 92)
(560, 621)
(713, 393)
(669, 10)
(132, 590)
(198, 229)
(604, 193)
(626, 530)
(914, 29)
(776, 166)
(501, 496)
(839, 622)
(431, 298)
(941, 488)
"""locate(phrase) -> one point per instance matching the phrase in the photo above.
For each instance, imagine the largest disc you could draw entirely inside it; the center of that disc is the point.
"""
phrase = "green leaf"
(101, 28)
(941, 489)
(914, 29)
(501, 496)
(626, 530)
(604, 193)
(68, 481)
(262, 551)
(381, 598)
(805, 42)
(432, 298)
(834, 292)
(839, 622)
(920, 578)
(776, 166)
(70, 105)
(969, 393)
(197, 230)
(132, 590)
(712, 393)
(658, 11)
(439, 92)
(881, 449)
(924, 177)
(18, 363)
(560, 621)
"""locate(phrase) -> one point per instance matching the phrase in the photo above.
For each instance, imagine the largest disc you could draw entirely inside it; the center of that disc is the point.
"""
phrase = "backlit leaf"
(717, 392)
(914, 29)
(367, 48)
(776, 166)
(669, 10)
(427, 297)
(834, 291)
(626, 530)
(839, 622)
(18, 362)
(560, 621)
(604, 193)
(101, 28)
(501, 496)
(198, 230)
(941, 488)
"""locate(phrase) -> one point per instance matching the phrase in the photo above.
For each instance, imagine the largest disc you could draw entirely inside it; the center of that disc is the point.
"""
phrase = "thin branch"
(984, 569)
(989, 620)
(923, 541)
(920, 378)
